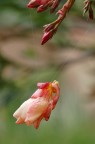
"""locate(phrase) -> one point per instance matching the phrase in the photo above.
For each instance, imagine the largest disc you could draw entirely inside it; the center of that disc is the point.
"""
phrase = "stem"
(66, 7)
(63, 11)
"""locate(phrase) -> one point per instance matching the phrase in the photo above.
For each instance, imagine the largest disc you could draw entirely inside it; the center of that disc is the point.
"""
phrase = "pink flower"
(39, 105)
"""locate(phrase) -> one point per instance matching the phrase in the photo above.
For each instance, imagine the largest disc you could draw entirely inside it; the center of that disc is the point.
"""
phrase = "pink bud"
(47, 35)
(49, 27)
(37, 3)
(41, 8)
(54, 5)
(33, 4)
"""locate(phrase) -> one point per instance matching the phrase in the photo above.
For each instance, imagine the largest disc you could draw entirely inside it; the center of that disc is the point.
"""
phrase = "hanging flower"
(39, 105)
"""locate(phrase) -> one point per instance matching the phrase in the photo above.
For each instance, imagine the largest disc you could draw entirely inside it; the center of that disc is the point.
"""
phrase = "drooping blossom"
(39, 105)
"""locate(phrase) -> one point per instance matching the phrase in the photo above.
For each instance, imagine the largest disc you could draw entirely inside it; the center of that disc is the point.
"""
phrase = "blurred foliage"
(14, 91)
(16, 12)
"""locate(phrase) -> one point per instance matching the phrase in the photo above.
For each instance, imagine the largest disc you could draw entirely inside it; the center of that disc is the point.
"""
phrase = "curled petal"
(48, 112)
(43, 85)
(37, 122)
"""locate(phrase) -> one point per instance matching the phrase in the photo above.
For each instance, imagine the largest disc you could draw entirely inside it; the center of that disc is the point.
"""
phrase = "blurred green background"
(69, 58)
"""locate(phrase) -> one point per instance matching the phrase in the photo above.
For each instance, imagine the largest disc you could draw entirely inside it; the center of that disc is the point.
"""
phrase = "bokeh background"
(69, 58)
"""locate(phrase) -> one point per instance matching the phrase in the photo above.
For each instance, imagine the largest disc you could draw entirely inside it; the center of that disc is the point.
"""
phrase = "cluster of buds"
(50, 29)
(40, 105)
(88, 8)
(41, 5)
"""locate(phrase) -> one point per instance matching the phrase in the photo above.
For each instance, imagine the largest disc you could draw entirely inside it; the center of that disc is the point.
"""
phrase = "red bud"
(47, 36)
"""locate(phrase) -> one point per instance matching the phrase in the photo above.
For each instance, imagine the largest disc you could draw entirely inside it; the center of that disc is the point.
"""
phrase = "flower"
(39, 105)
